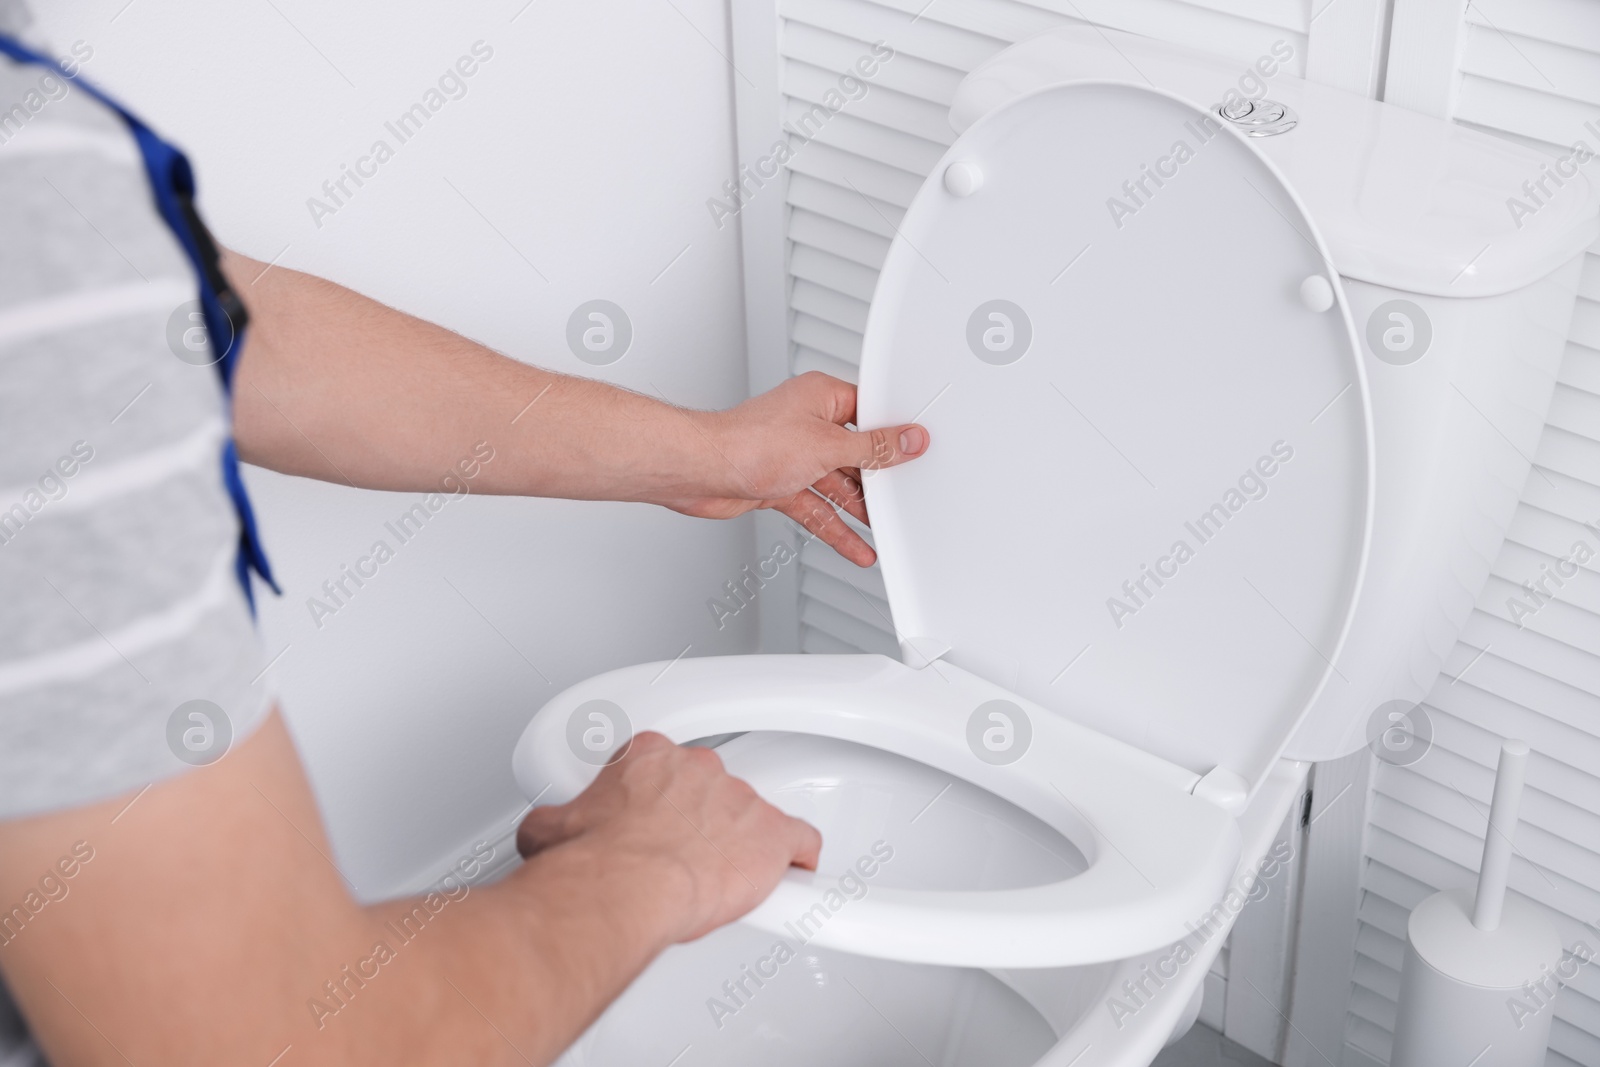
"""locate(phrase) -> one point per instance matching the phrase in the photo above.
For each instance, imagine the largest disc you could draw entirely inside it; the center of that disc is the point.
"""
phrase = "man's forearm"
(537, 956)
(230, 952)
(335, 386)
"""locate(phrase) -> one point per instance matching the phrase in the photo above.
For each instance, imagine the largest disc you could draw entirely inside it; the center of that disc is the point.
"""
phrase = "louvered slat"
(880, 187)
(832, 52)
(1531, 112)
(838, 202)
(809, 359)
(1546, 20)
(826, 269)
(879, 103)
(1559, 68)
(828, 305)
(873, 141)
(838, 239)
(866, 22)
(826, 338)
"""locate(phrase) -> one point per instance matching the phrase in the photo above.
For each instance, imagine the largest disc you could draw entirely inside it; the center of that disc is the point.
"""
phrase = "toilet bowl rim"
(1157, 855)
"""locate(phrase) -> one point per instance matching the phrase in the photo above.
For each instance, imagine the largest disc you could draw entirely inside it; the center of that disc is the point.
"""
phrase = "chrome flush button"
(1259, 118)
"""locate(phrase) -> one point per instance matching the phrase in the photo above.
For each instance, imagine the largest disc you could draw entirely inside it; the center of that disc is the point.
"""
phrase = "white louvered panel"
(809, 359)
(1542, 20)
(1516, 682)
(1212, 27)
(1378, 983)
(1589, 281)
(886, 190)
(1436, 853)
(1529, 71)
(869, 582)
(838, 238)
(1538, 536)
(1586, 323)
(1563, 68)
(830, 53)
(832, 272)
(1575, 668)
(1451, 800)
(880, 104)
(829, 305)
(1581, 369)
(1574, 409)
(826, 338)
(1570, 454)
(1573, 620)
(843, 607)
(820, 610)
(1570, 758)
(1531, 68)
(864, 22)
(1561, 494)
(1533, 113)
(872, 141)
(822, 643)
(1549, 66)
(847, 599)
(839, 203)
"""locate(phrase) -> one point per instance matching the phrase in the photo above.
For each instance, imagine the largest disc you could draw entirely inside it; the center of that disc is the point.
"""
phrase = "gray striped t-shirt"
(118, 601)
(117, 537)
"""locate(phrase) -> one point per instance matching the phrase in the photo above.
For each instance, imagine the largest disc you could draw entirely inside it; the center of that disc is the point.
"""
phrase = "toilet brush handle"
(1497, 840)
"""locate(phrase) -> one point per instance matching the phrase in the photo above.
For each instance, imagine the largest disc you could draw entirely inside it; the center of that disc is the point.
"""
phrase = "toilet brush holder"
(1472, 958)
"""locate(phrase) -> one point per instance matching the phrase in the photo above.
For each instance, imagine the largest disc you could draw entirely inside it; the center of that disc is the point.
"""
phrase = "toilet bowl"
(730, 1000)
(1228, 422)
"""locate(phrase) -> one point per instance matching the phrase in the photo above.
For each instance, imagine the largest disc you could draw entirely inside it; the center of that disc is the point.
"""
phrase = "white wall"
(587, 146)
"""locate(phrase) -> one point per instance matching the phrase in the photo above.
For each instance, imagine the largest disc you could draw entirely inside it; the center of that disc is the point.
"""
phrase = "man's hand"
(788, 449)
(675, 819)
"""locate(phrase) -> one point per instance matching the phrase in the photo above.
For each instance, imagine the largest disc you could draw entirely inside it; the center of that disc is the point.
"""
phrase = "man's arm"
(208, 919)
(333, 385)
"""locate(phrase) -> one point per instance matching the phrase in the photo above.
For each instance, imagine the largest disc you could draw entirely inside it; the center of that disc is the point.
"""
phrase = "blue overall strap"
(172, 185)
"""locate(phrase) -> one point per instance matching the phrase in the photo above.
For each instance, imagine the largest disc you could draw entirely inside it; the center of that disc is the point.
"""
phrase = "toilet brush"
(1479, 974)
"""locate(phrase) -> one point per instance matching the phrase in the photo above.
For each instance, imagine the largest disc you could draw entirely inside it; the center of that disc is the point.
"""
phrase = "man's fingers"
(820, 520)
(844, 489)
(807, 844)
(543, 828)
(877, 449)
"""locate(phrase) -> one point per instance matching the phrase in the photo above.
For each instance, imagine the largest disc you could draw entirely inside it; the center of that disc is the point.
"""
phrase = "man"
(154, 917)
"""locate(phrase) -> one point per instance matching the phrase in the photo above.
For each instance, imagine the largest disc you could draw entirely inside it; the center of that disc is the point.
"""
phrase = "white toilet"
(1224, 440)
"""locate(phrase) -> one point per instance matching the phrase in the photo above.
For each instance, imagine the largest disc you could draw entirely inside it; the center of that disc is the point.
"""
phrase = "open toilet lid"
(1147, 500)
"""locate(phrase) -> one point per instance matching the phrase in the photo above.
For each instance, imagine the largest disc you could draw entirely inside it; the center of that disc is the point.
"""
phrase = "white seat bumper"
(1159, 857)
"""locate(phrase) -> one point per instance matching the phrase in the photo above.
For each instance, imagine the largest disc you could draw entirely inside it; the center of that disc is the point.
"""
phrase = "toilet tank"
(1459, 254)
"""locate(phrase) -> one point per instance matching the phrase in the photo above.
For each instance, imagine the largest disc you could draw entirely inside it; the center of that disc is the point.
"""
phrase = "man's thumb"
(876, 449)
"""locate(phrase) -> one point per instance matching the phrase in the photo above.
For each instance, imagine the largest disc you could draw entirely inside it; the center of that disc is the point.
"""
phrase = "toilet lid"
(1147, 500)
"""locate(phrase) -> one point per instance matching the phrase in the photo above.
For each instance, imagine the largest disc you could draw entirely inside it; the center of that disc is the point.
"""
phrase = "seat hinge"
(1225, 789)
(920, 651)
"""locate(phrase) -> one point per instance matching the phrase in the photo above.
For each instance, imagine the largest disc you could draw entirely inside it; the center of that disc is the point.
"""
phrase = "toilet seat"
(1159, 857)
(1097, 375)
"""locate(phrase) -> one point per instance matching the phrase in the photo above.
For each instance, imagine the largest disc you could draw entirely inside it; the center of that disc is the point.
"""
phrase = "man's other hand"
(674, 818)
